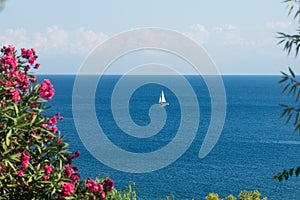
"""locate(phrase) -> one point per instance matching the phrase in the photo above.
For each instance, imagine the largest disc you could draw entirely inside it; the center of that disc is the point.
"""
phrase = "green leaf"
(285, 88)
(15, 157)
(38, 148)
(298, 96)
(16, 109)
(291, 171)
(283, 105)
(283, 79)
(4, 146)
(279, 178)
(284, 112)
(6, 115)
(284, 74)
(297, 171)
(285, 174)
(33, 119)
(8, 136)
(292, 73)
(11, 165)
(296, 119)
(288, 118)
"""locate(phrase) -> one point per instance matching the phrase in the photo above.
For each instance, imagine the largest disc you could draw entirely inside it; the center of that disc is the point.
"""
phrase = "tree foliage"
(291, 113)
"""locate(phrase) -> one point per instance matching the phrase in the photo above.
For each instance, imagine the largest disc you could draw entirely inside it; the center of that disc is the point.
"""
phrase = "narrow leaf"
(292, 73)
(297, 171)
(8, 136)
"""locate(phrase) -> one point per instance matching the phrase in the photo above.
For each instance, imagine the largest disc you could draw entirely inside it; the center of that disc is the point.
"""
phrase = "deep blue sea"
(254, 144)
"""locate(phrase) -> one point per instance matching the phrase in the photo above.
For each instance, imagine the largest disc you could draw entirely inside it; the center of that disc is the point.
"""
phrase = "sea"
(254, 143)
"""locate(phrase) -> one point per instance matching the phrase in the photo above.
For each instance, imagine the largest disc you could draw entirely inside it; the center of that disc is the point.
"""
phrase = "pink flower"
(15, 95)
(102, 195)
(8, 50)
(74, 167)
(75, 178)
(53, 129)
(32, 60)
(71, 156)
(44, 125)
(46, 177)
(89, 184)
(69, 171)
(25, 164)
(37, 65)
(23, 52)
(77, 154)
(46, 90)
(68, 189)
(7, 84)
(59, 117)
(9, 62)
(95, 187)
(100, 187)
(20, 173)
(28, 53)
(48, 169)
(108, 185)
(25, 159)
(52, 121)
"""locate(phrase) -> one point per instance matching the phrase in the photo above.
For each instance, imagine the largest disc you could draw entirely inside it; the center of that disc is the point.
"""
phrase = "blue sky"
(240, 36)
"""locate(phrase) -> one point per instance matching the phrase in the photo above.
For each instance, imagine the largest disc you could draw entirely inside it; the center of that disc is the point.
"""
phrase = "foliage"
(292, 88)
(291, 84)
(35, 162)
(291, 41)
(244, 195)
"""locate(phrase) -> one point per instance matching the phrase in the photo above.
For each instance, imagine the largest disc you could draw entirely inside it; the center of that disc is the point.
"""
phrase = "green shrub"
(244, 195)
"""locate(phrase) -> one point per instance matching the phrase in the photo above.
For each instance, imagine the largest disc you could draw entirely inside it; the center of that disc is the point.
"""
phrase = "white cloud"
(279, 25)
(54, 39)
(225, 28)
(199, 33)
(228, 35)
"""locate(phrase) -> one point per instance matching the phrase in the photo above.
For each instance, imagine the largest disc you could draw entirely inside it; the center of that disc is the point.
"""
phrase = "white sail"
(162, 98)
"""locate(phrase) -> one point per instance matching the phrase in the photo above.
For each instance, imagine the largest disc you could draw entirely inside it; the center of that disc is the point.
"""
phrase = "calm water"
(253, 146)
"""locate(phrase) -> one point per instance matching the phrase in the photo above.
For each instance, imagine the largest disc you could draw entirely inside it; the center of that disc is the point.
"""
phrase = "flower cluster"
(51, 125)
(68, 189)
(47, 90)
(30, 55)
(48, 170)
(34, 160)
(99, 188)
(25, 159)
(13, 72)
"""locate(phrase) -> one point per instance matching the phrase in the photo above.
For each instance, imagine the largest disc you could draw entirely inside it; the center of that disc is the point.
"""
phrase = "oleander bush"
(35, 162)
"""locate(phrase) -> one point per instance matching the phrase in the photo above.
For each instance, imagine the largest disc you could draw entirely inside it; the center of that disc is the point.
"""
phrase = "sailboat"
(162, 100)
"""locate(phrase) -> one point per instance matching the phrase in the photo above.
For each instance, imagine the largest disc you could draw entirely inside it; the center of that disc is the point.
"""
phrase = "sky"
(239, 36)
